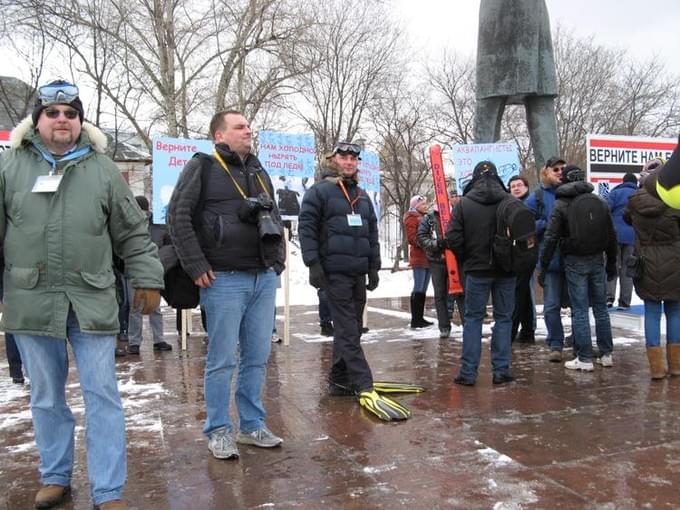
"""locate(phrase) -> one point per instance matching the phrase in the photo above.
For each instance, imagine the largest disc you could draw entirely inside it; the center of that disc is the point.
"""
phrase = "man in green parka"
(64, 211)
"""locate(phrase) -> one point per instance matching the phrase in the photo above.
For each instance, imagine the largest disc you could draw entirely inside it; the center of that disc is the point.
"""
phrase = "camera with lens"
(257, 210)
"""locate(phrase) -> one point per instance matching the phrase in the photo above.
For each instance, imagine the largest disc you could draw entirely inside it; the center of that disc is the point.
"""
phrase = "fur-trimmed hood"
(24, 130)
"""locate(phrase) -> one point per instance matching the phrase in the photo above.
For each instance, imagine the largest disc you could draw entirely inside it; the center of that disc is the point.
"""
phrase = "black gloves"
(441, 243)
(541, 278)
(373, 280)
(317, 277)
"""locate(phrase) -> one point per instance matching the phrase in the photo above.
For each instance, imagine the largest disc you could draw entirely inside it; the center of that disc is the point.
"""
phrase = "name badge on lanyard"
(354, 220)
(46, 183)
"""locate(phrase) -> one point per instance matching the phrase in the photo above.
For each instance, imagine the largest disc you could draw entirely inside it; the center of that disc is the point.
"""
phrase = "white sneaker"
(276, 338)
(577, 364)
(606, 360)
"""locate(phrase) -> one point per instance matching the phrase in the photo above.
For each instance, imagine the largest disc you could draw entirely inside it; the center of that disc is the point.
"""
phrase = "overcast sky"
(644, 27)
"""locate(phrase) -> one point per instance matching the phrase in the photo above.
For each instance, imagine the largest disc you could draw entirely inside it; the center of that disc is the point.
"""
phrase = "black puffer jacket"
(473, 226)
(428, 234)
(204, 223)
(325, 233)
(657, 239)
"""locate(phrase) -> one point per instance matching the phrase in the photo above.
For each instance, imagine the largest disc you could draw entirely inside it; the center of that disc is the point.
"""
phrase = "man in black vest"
(229, 240)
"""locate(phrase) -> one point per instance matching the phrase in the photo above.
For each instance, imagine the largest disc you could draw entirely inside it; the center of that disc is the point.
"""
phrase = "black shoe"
(18, 380)
(422, 323)
(365, 329)
(327, 329)
(120, 352)
(502, 378)
(162, 346)
(464, 381)
(526, 338)
(122, 337)
(133, 349)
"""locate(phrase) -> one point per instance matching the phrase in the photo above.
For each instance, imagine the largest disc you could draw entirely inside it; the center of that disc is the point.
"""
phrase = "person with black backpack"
(581, 225)
(471, 234)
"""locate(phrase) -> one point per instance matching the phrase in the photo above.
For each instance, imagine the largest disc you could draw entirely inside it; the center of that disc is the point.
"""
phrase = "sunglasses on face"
(54, 113)
(60, 92)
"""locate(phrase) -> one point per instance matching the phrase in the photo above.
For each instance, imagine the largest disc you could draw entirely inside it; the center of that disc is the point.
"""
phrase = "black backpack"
(588, 222)
(515, 247)
(180, 290)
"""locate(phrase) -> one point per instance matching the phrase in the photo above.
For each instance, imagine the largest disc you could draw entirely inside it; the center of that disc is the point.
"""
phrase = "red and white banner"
(4, 140)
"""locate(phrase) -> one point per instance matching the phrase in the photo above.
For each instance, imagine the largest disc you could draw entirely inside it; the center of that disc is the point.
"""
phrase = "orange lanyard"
(344, 191)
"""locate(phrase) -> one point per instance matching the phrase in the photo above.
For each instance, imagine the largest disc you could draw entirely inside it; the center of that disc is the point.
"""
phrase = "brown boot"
(656, 366)
(51, 495)
(673, 351)
(114, 504)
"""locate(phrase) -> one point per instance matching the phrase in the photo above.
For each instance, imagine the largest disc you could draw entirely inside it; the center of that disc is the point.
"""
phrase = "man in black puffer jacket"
(470, 235)
(339, 239)
(228, 236)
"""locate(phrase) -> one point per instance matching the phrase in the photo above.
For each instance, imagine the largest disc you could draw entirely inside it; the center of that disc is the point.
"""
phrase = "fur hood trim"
(96, 136)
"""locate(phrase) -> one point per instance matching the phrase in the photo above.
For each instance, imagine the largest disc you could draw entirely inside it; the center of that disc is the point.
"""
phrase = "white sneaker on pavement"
(577, 364)
(605, 360)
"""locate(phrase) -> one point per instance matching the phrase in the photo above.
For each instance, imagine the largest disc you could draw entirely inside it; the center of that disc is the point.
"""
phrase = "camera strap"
(225, 167)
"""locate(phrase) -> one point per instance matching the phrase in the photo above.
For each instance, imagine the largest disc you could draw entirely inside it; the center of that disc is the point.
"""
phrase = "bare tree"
(351, 64)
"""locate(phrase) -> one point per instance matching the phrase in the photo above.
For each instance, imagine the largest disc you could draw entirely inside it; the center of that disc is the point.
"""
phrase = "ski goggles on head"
(57, 93)
(347, 148)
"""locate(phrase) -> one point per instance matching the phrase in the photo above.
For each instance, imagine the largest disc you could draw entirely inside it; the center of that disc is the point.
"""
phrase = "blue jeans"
(653, 322)
(477, 289)
(46, 360)
(552, 306)
(238, 307)
(588, 287)
(421, 279)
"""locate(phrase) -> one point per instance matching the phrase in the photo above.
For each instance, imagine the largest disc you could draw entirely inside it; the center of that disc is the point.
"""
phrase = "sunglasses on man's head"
(51, 113)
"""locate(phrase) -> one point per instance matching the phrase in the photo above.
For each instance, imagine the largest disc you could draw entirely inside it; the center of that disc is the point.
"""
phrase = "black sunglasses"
(54, 114)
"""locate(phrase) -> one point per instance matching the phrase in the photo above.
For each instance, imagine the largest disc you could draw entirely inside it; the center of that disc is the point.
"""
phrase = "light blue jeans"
(653, 322)
(238, 307)
(46, 360)
(421, 279)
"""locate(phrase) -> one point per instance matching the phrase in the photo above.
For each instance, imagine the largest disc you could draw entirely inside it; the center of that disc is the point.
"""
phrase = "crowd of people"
(67, 214)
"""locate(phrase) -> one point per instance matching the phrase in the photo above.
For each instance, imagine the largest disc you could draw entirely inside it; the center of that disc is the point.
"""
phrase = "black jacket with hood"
(473, 226)
(325, 233)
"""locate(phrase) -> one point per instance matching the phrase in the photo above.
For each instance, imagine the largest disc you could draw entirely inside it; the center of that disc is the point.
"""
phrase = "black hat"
(554, 161)
(630, 177)
(57, 92)
(142, 202)
(572, 173)
(484, 168)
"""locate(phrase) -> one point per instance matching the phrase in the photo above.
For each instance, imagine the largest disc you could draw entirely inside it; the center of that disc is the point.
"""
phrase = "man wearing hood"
(584, 264)
(338, 232)
(470, 235)
(66, 210)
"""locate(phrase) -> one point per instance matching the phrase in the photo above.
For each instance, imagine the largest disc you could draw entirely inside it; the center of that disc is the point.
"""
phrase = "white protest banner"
(505, 155)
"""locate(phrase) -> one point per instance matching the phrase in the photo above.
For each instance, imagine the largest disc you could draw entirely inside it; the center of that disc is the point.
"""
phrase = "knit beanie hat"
(416, 200)
(572, 173)
(57, 92)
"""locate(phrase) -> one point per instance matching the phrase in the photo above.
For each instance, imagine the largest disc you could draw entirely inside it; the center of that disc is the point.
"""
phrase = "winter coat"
(59, 246)
(326, 235)
(514, 50)
(429, 232)
(205, 226)
(473, 226)
(618, 200)
(542, 214)
(416, 255)
(558, 228)
(657, 240)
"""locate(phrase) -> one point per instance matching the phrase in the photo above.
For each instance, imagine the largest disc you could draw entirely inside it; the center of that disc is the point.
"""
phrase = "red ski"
(442, 198)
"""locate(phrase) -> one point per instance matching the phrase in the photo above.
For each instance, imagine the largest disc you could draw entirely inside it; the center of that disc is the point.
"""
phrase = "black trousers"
(347, 296)
(524, 308)
(13, 357)
(440, 284)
